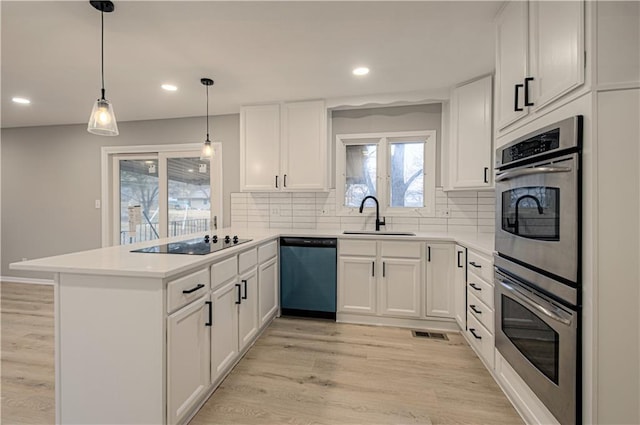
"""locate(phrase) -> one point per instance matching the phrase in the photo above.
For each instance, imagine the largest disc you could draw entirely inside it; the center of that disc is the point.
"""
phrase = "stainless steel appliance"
(199, 246)
(537, 265)
(538, 200)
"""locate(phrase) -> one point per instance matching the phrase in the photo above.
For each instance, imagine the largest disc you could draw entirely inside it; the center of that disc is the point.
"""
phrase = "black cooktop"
(199, 246)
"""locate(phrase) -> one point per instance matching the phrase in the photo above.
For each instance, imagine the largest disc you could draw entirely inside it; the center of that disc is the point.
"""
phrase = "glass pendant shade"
(102, 120)
(207, 150)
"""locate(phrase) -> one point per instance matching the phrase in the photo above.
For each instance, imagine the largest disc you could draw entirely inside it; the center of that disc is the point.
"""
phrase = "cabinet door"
(460, 286)
(260, 148)
(511, 61)
(556, 35)
(187, 358)
(248, 317)
(471, 135)
(224, 330)
(304, 145)
(400, 287)
(356, 285)
(439, 283)
(268, 293)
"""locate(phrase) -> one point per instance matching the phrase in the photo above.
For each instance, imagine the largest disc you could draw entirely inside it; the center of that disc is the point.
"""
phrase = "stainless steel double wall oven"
(537, 265)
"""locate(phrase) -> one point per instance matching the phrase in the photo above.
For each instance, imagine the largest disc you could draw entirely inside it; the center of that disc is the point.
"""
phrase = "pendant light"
(102, 120)
(207, 149)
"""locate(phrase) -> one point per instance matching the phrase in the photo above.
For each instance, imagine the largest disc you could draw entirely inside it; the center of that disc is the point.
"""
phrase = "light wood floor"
(298, 372)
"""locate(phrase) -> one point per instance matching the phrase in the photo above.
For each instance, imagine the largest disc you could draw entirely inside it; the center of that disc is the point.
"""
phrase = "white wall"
(50, 179)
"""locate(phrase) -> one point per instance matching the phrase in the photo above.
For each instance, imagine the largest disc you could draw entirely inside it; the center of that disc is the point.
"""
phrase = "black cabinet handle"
(473, 307)
(486, 177)
(373, 268)
(194, 289)
(428, 253)
(239, 299)
(276, 182)
(384, 273)
(460, 265)
(474, 334)
(515, 105)
(477, 266)
(210, 322)
(244, 282)
(526, 91)
(285, 180)
(473, 285)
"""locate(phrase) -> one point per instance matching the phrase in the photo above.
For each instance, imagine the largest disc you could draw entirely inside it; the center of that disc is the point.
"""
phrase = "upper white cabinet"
(283, 147)
(471, 135)
(539, 56)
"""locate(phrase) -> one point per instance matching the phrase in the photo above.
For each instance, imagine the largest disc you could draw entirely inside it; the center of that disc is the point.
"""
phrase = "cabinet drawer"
(247, 259)
(481, 339)
(224, 271)
(267, 251)
(401, 249)
(480, 288)
(181, 292)
(480, 265)
(481, 311)
(357, 247)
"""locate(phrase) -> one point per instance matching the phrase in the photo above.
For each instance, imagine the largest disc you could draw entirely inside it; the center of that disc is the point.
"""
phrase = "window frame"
(384, 140)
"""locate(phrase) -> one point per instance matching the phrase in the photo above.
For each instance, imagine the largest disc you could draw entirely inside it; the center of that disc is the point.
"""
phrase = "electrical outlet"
(275, 211)
(97, 203)
(442, 212)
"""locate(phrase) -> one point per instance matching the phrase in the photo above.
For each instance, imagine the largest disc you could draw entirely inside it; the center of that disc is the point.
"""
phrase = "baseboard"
(29, 280)
(428, 324)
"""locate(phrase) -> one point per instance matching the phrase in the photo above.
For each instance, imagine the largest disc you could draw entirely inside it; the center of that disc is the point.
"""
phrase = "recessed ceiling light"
(169, 87)
(190, 170)
(361, 71)
(21, 100)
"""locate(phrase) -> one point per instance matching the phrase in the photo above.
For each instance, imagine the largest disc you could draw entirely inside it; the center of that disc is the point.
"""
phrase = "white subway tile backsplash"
(466, 211)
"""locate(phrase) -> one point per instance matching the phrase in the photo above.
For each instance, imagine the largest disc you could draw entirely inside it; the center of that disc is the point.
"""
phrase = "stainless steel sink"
(373, 232)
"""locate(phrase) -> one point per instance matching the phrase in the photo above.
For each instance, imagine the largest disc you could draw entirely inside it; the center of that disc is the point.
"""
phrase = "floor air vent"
(432, 335)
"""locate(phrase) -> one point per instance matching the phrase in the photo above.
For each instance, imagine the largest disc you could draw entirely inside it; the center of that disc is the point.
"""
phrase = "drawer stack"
(480, 308)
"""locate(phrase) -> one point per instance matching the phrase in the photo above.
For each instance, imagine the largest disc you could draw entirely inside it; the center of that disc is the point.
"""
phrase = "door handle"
(276, 182)
(460, 265)
(210, 322)
(383, 269)
(194, 289)
(239, 299)
(244, 282)
(373, 268)
(515, 104)
(428, 253)
(486, 178)
(528, 171)
(285, 180)
(526, 91)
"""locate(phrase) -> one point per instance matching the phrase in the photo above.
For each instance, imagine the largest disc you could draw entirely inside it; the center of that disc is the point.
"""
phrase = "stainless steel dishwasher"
(308, 271)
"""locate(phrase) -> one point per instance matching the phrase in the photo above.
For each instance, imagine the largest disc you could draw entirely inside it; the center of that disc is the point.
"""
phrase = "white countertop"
(119, 261)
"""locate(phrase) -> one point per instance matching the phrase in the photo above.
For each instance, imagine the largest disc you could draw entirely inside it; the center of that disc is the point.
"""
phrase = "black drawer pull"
(486, 178)
(460, 265)
(474, 334)
(384, 273)
(526, 91)
(473, 285)
(210, 322)
(477, 266)
(515, 106)
(473, 307)
(285, 180)
(428, 253)
(373, 268)
(239, 299)
(276, 182)
(244, 282)
(194, 289)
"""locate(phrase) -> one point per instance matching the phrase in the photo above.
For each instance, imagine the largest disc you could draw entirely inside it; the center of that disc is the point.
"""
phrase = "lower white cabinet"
(439, 279)
(400, 287)
(188, 358)
(248, 308)
(268, 292)
(460, 286)
(357, 284)
(224, 330)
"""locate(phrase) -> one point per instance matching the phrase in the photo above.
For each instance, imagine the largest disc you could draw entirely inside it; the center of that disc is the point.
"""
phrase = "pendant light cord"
(102, 49)
(207, 88)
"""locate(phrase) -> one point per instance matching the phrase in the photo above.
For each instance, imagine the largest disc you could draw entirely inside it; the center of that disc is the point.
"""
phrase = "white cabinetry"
(460, 287)
(439, 279)
(401, 280)
(248, 308)
(268, 292)
(283, 147)
(357, 284)
(224, 330)
(471, 136)
(539, 56)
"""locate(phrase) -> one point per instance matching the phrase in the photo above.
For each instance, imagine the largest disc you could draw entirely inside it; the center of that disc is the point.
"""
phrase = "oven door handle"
(528, 171)
(551, 313)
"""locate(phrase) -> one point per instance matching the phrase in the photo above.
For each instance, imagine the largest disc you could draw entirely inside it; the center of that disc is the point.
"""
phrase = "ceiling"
(255, 52)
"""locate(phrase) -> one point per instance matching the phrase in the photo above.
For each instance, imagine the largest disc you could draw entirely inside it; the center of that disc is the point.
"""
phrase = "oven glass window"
(532, 212)
(533, 337)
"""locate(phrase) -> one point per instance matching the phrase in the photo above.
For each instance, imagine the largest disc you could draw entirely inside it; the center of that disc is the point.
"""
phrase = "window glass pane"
(407, 174)
(360, 173)
(189, 187)
(138, 188)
